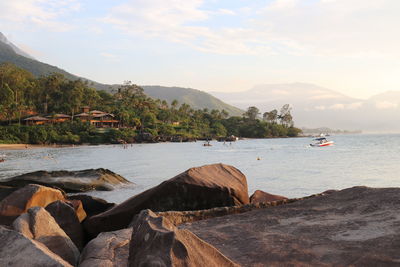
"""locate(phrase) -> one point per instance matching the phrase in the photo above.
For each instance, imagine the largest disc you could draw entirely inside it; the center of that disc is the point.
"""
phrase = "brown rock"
(261, 196)
(157, 242)
(107, 249)
(67, 219)
(24, 198)
(5, 191)
(17, 250)
(354, 227)
(205, 187)
(70, 181)
(40, 226)
(79, 210)
(92, 205)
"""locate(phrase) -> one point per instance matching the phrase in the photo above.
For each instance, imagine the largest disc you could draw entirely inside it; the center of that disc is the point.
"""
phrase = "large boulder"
(64, 214)
(354, 227)
(92, 205)
(157, 242)
(205, 187)
(70, 181)
(17, 250)
(21, 200)
(107, 249)
(260, 196)
(5, 191)
(40, 226)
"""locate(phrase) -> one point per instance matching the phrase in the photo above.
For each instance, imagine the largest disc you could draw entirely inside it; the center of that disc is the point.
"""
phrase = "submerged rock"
(70, 181)
(39, 225)
(205, 187)
(261, 196)
(24, 198)
(354, 227)
(107, 249)
(17, 250)
(157, 242)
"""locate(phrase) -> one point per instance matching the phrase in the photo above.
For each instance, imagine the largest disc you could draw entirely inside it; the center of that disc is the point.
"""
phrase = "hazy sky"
(352, 46)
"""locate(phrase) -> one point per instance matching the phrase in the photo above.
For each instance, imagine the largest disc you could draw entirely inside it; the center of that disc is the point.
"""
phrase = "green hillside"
(195, 98)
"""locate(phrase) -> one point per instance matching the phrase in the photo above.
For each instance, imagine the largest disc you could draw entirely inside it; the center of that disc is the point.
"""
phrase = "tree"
(271, 116)
(252, 113)
(285, 116)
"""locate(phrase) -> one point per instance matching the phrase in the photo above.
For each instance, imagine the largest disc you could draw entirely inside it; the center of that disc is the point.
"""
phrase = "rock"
(79, 210)
(92, 205)
(107, 249)
(261, 196)
(70, 181)
(5, 191)
(24, 198)
(17, 250)
(40, 226)
(354, 227)
(205, 187)
(65, 216)
(157, 242)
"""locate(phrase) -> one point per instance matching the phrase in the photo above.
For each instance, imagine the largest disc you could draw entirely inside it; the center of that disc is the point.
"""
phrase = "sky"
(351, 46)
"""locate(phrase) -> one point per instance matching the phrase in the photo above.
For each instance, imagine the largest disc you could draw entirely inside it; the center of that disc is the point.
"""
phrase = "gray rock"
(40, 226)
(66, 218)
(109, 249)
(157, 242)
(70, 181)
(24, 198)
(354, 227)
(17, 250)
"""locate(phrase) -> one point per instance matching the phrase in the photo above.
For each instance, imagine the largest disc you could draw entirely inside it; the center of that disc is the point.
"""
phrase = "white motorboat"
(322, 141)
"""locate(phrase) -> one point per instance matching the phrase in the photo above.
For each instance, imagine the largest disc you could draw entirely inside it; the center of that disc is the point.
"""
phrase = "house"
(57, 118)
(36, 120)
(99, 119)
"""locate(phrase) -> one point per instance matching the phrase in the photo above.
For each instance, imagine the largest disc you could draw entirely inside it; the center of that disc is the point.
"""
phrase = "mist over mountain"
(315, 106)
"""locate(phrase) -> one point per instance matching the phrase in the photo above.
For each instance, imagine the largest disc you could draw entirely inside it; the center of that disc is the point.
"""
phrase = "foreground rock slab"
(205, 187)
(17, 250)
(39, 225)
(70, 181)
(24, 198)
(157, 242)
(358, 226)
(107, 249)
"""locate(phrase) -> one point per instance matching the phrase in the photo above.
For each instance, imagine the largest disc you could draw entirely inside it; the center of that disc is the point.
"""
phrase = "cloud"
(42, 13)
(340, 106)
(386, 105)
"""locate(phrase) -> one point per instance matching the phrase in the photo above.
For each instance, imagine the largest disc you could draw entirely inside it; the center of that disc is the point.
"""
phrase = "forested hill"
(195, 98)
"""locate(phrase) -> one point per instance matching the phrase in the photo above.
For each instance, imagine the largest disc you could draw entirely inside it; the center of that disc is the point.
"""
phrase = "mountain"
(315, 106)
(195, 98)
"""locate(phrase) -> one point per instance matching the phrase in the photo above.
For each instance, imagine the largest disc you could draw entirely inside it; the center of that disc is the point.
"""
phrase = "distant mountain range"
(315, 106)
(195, 98)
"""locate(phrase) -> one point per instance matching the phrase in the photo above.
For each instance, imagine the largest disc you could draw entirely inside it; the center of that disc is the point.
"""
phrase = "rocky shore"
(201, 217)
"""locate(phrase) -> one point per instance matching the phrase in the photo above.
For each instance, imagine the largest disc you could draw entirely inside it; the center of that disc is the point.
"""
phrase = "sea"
(283, 166)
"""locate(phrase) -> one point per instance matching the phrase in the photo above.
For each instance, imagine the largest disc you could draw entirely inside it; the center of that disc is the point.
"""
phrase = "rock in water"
(40, 226)
(157, 242)
(17, 250)
(261, 196)
(66, 218)
(24, 198)
(107, 249)
(205, 187)
(70, 181)
(92, 205)
(354, 227)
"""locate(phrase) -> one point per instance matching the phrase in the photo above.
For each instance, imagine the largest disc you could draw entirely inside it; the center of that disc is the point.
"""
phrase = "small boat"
(322, 141)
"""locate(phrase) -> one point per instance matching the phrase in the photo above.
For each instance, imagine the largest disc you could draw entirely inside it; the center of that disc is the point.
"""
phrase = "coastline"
(28, 146)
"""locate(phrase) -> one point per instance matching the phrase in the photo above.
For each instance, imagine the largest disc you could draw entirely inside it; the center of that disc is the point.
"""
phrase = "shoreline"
(29, 146)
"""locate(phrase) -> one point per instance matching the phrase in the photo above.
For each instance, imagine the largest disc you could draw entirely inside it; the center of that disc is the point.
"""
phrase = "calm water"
(287, 166)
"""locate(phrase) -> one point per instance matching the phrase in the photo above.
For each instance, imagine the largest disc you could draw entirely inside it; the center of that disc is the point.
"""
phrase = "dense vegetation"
(22, 94)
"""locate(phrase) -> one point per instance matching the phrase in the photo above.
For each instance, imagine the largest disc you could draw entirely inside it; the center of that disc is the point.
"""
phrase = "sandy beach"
(25, 146)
